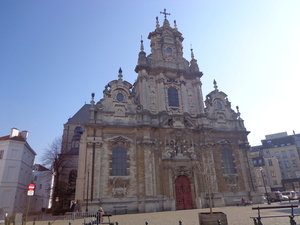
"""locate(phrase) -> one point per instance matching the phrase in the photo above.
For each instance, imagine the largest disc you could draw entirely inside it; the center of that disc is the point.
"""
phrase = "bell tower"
(167, 82)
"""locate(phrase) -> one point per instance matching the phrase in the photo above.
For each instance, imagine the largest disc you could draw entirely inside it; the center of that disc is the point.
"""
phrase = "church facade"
(158, 144)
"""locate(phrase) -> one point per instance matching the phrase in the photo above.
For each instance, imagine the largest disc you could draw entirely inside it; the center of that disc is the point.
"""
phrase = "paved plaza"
(236, 215)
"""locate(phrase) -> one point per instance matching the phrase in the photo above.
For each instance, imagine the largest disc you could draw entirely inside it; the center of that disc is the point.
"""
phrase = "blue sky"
(55, 53)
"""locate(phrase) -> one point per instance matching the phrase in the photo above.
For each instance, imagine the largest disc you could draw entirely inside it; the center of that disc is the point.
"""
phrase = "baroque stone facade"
(157, 145)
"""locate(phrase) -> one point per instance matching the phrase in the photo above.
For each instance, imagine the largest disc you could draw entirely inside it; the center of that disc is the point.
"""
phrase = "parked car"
(2, 217)
(285, 198)
(297, 194)
(275, 196)
(291, 194)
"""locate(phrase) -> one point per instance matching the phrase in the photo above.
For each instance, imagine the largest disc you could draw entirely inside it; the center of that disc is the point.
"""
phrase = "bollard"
(219, 222)
(49, 223)
(180, 222)
(117, 223)
(69, 223)
(146, 223)
(33, 223)
(292, 221)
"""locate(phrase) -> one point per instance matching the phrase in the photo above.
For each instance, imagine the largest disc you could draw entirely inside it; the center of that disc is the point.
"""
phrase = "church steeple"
(166, 73)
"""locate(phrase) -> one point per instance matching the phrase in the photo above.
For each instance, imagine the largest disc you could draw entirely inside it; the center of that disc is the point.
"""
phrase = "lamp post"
(267, 195)
(87, 190)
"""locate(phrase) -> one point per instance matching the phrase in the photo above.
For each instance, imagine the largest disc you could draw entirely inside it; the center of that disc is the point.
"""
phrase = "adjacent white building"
(16, 161)
(42, 181)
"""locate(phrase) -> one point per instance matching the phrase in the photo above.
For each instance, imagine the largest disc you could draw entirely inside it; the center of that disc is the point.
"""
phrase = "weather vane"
(165, 13)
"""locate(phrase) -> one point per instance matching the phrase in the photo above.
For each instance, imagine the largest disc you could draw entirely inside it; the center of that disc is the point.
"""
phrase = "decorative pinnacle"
(92, 101)
(237, 108)
(192, 53)
(215, 85)
(165, 13)
(175, 25)
(120, 74)
(142, 45)
(157, 23)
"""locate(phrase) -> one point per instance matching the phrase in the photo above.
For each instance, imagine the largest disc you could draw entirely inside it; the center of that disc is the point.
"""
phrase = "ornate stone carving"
(119, 189)
(178, 145)
(119, 141)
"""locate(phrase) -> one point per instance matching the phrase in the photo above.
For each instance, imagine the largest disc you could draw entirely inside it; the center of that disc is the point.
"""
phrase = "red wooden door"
(183, 193)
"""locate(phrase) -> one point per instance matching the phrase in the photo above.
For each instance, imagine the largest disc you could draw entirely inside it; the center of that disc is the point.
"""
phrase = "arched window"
(173, 97)
(119, 162)
(228, 162)
(73, 176)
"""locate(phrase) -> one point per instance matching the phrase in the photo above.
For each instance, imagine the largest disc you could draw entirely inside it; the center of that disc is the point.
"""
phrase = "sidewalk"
(236, 215)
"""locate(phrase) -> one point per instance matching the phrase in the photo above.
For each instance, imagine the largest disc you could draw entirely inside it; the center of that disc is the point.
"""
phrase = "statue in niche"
(178, 149)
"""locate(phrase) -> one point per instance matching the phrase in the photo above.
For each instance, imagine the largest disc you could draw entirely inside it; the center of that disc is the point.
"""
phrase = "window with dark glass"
(270, 162)
(284, 155)
(228, 162)
(173, 97)
(292, 153)
(119, 162)
(120, 97)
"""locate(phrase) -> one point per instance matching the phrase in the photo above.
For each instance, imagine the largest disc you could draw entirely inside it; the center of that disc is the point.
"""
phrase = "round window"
(169, 50)
(120, 97)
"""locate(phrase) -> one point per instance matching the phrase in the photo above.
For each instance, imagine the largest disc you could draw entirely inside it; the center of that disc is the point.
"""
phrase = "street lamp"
(267, 195)
(87, 190)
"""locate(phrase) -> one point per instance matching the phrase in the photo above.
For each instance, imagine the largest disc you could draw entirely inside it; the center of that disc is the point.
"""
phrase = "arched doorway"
(183, 193)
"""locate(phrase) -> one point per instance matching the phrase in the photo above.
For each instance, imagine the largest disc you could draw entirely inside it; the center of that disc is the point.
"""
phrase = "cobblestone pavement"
(236, 215)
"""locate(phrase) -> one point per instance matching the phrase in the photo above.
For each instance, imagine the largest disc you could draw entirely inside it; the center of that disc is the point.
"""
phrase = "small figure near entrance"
(245, 202)
(98, 216)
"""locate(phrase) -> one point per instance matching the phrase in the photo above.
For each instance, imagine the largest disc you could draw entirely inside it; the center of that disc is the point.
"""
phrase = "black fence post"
(292, 221)
(146, 223)
(180, 222)
(219, 222)
(117, 223)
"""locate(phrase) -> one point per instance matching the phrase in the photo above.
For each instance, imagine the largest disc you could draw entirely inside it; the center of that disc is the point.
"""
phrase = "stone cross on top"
(165, 13)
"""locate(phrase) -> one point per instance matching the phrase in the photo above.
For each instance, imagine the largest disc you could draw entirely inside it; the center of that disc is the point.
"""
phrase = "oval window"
(120, 97)
(219, 106)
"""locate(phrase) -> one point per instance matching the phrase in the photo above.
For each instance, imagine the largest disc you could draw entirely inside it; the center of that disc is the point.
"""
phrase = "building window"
(268, 153)
(270, 162)
(219, 106)
(287, 164)
(228, 162)
(75, 143)
(295, 164)
(35, 178)
(284, 155)
(41, 185)
(273, 174)
(277, 155)
(275, 182)
(173, 97)
(73, 177)
(283, 175)
(119, 162)
(1, 154)
(292, 153)
(120, 97)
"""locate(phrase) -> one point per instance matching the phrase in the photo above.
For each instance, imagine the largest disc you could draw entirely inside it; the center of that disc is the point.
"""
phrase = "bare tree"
(205, 168)
(57, 162)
